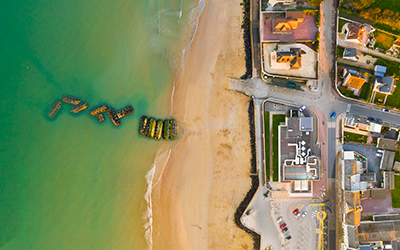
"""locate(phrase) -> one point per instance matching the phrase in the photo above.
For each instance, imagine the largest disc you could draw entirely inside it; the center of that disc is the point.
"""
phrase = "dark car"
(288, 237)
(378, 121)
(285, 230)
(370, 119)
(333, 115)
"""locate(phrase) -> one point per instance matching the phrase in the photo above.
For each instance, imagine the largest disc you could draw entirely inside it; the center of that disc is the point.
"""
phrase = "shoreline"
(205, 178)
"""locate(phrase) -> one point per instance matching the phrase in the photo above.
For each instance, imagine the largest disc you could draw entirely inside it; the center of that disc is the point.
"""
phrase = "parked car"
(285, 230)
(279, 219)
(370, 119)
(288, 237)
(378, 155)
(283, 225)
(296, 213)
(302, 108)
(304, 214)
(378, 120)
(333, 115)
(380, 151)
(385, 110)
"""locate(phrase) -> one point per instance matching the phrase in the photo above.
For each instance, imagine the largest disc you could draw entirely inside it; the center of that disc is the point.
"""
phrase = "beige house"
(357, 33)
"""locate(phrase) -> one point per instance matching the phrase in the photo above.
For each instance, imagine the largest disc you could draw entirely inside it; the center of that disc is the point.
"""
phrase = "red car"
(296, 213)
(283, 225)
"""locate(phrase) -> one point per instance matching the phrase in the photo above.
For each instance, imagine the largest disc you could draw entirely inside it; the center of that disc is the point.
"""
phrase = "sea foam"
(161, 160)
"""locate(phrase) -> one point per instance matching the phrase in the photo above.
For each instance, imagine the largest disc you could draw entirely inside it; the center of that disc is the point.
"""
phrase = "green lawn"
(346, 92)
(267, 152)
(276, 120)
(364, 94)
(396, 192)
(393, 101)
(392, 66)
(339, 52)
(355, 137)
(341, 23)
(379, 98)
(366, 90)
(387, 5)
(383, 40)
(397, 156)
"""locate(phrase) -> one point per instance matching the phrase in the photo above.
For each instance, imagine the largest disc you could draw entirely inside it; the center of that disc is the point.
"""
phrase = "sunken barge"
(157, 129)
(79, 107)
(98, 112)
(71, 100)
(54, 109)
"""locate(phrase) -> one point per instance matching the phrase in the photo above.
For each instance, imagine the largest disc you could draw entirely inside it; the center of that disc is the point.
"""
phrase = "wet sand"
(196, 194)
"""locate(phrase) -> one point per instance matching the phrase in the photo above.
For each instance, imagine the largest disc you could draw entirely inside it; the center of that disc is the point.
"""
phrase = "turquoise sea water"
(72, 183)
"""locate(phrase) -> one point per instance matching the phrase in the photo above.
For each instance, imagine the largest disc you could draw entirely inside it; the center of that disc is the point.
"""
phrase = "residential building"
(388, 180)
(382, 228)
(286, 59)
(387, 160)
(354, 175)
(397, 43)
(371, 127)
(387, 144)
(351, 54)
(353, 80)
(357, 33)
(273, 2)
(384, 85)
(396, 166)
(352, 208)
(380, 70)
(351, 219)
(287, 24)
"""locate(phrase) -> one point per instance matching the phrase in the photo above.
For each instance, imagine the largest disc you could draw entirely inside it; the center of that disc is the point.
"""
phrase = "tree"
(362, 4)
(314, 3)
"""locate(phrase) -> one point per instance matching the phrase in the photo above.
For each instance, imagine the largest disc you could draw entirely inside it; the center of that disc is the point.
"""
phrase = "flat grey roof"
(379, 226)
(306, 124)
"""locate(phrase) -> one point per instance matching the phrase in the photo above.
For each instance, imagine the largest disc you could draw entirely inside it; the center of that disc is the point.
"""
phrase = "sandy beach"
(196, 194)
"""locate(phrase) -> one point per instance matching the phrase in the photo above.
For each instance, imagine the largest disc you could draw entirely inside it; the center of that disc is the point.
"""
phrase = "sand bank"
(197, 192)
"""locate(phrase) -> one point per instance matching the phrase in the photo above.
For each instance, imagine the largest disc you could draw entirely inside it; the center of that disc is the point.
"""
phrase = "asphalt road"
(389, 119)
(332, 139)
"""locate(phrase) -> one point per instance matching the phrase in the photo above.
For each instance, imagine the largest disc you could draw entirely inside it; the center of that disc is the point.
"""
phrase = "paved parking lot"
(302, 229)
